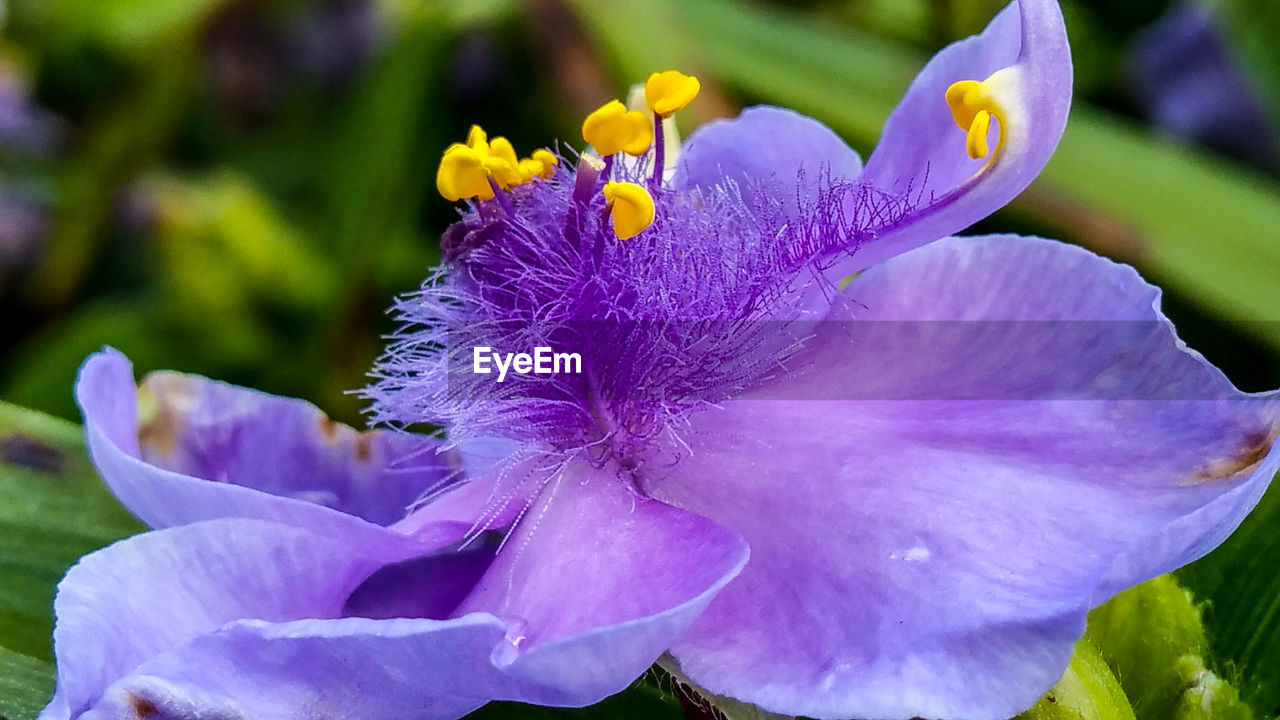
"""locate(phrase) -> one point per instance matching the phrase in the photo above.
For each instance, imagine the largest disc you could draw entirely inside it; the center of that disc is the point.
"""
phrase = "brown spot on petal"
(364, 447)
(142, 707)
(329, 428)
(1253, 450)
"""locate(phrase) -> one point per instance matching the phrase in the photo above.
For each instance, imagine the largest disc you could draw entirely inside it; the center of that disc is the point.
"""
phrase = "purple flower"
(897, 497)
(1185, 79)
(26, 129)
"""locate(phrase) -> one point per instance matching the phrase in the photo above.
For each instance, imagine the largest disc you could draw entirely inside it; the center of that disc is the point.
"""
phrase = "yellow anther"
(972, 106)
(612, 129)
(667, 92)
(630, 206)
(976, 141)
(530, 168)
(542, 164)
(472, 169)
(548, 160)
(502, 164)
(462, 174)
(502, 149)
(477, 138)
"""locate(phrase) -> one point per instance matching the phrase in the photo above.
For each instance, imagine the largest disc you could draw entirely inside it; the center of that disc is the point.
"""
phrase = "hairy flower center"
(668, 297)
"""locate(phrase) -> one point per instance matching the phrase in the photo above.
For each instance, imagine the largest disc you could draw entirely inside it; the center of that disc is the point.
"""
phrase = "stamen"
(462, 174)
(659, 152)
(973, 104)
(976, 141)
(477, 138)
(631, 207)
(503, 165)
(589, 171)
(542, 164)
(480, 168)
(669, 91)
(612, 129)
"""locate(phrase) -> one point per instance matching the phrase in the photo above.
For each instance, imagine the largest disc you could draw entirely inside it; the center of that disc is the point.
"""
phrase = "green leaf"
(641, 701)
(1241, 580)
(126, 26)
(25, 685)
(1087, 691)
(53, 509)
(1153, 638)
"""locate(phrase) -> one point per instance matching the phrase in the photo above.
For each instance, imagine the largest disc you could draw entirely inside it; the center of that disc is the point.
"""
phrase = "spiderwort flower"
(936, 468)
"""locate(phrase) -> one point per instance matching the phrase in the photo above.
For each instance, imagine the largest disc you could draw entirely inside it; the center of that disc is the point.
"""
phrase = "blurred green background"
(239, 188)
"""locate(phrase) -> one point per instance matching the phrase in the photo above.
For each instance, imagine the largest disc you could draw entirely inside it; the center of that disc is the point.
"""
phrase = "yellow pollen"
(976, 140)
(467, 169)
(542, 164)
(530, 168)
(548, 160)
(973, 105)
(630, 206)
(462, 174)
(502, 164)
(612, 129)
(669, 91)
(478, 139)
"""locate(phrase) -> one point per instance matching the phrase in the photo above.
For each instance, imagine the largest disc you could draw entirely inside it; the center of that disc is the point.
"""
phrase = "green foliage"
(53, 509)
(644, 700)
(25, 685)
(1154, 640)
(1240, 583)
(1087, 691)
(130, 27)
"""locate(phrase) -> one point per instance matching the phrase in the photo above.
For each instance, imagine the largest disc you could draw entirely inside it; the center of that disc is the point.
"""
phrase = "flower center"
(671, 297)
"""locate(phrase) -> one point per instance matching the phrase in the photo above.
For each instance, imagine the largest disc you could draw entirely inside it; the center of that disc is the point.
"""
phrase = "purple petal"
(209, 450)
(918, 555)
(142, 598)
(346, 669)
(600, 581)
(794, 154)
(245, 617)
(493, 493)
(921, 154)
(423, 587)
